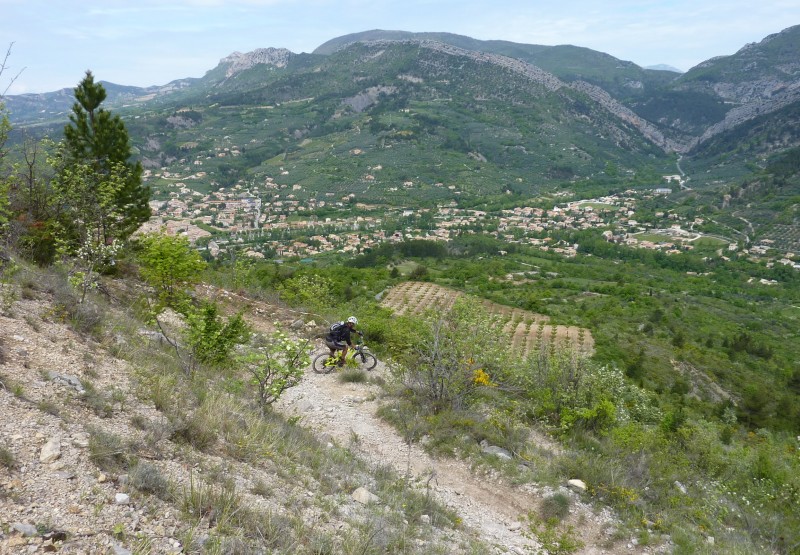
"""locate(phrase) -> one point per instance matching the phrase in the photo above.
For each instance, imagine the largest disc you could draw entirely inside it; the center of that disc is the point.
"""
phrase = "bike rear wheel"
(366, 361)
(324, 363)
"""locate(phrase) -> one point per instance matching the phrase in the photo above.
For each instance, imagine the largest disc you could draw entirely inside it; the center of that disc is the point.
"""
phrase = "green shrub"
(211, 337)
(353, 375)
(140, 422)
(170, 265)
(570, 390)
(276, 365)
(107, 450)
(555, 539)
(197, 428)
(454, 347)
(96, 400)
(148, 478)
(598, 418)
(84, 316)
(310, 291)
(7, 459)
(262, 488)
(555, 507)
(48, 407)
(386, 333)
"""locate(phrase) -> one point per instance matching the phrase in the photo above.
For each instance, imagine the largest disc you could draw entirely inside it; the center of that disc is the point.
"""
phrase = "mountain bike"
(357, 357)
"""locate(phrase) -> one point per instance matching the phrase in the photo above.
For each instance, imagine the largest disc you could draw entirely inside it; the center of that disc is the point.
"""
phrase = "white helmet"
(352, 320)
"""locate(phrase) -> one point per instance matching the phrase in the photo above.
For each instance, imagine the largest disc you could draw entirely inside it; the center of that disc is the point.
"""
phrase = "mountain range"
(495, 116)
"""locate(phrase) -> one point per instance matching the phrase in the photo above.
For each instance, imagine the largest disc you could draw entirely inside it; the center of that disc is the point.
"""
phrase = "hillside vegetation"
(156, 246)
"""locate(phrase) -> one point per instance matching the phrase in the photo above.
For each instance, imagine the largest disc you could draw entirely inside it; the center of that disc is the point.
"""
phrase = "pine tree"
(103, 192)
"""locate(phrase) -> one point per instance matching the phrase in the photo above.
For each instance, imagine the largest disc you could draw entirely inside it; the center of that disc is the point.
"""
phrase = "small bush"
(32, 322)
(17, 390)
(7, 459)
(49, 407)
(353, 375)
(193, 429)
(223, 507)
(28, 294)
(555, 508)
(271, 528)
(322, 544)
(139, 422)
(107, 450)
(95, 400)
(262, 488)
(86, 318)
(212, 337)
(452, 432)
(163, 390)
(148, 479)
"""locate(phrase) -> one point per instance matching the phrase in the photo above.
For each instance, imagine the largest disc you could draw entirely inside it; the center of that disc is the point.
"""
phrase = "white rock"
(117, 549)
(27, 530)
(498, 452)
(81, 441)
(51, 450)
(365, 497)
(577, 485)
(122, 499)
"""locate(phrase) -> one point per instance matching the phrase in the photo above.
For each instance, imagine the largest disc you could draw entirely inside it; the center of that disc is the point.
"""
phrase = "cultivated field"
(526, 330)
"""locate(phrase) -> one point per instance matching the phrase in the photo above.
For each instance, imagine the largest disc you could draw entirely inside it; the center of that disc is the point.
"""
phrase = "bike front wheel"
(366, 361)
(324, 363)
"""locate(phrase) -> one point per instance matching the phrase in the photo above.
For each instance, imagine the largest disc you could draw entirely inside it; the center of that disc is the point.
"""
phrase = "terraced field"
(526, 330)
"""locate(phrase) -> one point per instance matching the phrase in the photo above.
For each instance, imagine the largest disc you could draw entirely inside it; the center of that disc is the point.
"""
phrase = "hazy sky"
(152, 42)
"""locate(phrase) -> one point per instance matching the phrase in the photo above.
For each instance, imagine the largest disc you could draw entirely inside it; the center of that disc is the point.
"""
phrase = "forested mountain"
(559, 111)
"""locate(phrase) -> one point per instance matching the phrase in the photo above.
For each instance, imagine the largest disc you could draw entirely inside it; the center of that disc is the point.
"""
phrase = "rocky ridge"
(552, 83)
(238, 62)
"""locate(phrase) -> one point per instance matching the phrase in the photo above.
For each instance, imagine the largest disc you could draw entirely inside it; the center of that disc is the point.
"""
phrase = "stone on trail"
(51, 450)
(27, 530)
(365, 497)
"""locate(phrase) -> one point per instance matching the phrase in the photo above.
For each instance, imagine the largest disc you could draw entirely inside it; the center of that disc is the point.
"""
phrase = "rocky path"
(346, 412)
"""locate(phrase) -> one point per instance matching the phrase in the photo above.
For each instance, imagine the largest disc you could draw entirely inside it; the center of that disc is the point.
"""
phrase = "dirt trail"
(346, 412)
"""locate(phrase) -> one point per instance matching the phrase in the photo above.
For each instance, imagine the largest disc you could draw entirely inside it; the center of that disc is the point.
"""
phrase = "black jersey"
(339, 333)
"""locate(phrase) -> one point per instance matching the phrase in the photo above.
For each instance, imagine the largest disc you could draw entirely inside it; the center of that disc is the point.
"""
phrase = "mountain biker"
(338, 337)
